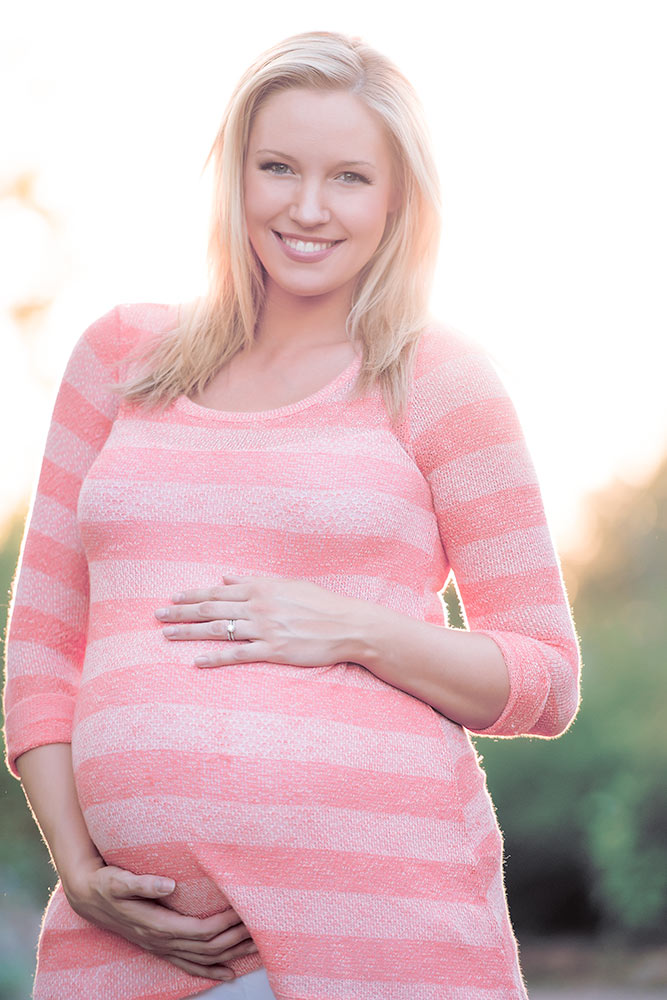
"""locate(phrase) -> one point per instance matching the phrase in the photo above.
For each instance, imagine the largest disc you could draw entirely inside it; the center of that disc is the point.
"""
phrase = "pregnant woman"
(233, 698)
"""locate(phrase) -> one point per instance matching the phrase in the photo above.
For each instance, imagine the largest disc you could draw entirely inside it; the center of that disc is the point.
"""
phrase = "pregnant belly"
(207, 776)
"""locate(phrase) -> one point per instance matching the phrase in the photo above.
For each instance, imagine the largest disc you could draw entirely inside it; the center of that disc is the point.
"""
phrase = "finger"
(207, 928)
(167, 927)
(212, 948)
(218, 972)
(203, 611)
(239, 950)
(214, 630)
(127, 885)
(245, 948)
(237, 652)
(237, 591)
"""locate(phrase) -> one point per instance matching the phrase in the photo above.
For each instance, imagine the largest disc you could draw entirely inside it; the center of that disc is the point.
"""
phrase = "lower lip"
(307, 258)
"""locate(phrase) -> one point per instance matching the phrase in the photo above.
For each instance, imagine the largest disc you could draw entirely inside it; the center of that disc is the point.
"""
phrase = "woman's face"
(318, 189)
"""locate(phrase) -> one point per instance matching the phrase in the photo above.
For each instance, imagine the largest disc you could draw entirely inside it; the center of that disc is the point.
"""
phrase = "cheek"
(259, 204)
(373, 218)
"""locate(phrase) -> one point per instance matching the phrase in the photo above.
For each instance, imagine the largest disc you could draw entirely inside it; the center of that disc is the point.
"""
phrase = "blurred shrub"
(24, 860)
(585, 817)
(26, 874)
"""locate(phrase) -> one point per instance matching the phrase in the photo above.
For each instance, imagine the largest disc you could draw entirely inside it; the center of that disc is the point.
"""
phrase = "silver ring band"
(231, 628)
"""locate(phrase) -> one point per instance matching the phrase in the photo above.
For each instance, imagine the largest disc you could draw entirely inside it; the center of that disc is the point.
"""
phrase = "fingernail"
(161, 613)
(169, 630)
(201, 661)
(177, 598)
(166, 885)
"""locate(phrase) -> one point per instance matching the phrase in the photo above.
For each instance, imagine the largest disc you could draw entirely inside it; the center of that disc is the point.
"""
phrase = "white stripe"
(92, 379)
(149, 650)
(523, 550)
(482, 473)
(367, 915)
(458, 381)
(50, 595)
(68, 451)
(145, 974)
(35, 661)
(216, 728)
(289, 510)
(158, 580)
(316, 441)
(170, 819)
(149, 316)
(55, 520)
(535, 620)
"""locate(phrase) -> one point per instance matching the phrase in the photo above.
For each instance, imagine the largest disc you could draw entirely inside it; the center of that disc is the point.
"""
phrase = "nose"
(309, 207)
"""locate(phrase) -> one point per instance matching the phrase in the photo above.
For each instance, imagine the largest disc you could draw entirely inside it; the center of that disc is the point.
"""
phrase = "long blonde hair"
(390, 302)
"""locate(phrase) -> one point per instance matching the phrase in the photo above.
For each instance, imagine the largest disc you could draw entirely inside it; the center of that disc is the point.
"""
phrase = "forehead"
(311, 121)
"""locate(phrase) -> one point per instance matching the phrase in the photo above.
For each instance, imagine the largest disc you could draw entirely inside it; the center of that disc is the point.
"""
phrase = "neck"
(295, 323)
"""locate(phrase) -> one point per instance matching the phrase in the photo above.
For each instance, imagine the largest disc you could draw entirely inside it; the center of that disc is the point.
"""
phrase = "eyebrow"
(341, 163)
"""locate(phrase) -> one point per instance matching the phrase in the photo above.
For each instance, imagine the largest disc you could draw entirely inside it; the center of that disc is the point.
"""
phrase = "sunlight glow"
(543, 118)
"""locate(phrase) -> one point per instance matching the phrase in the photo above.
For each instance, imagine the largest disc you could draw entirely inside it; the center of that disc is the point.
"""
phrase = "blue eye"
(350, 177)
(275, 168)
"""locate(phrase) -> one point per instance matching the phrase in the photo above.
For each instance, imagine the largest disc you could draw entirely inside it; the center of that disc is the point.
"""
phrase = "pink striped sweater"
(346, 821)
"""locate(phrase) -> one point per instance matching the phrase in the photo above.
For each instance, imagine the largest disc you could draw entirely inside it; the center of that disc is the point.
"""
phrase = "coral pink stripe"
(496, 514)
(480, 425)
(403, 960)
(266, 546)
(327, 870)
(395, 710)
(66, 565)
(163, 466)
(33, 625)
(36, 685)
(80, 416)
(317, 783)
(516, 591)
(59, 485)
(80, 948)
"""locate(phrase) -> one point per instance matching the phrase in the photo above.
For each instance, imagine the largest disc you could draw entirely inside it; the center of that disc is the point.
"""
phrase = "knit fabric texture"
(345, 820)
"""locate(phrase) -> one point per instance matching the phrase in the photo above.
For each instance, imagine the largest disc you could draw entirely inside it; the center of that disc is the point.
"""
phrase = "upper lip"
(307, 239)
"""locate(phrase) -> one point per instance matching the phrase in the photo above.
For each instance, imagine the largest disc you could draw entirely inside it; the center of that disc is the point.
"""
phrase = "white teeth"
(307, 247)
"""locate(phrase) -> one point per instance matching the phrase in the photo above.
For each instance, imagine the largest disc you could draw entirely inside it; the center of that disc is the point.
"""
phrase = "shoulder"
(452, 370)
(123, 332)
(458, 403)
(146, 318)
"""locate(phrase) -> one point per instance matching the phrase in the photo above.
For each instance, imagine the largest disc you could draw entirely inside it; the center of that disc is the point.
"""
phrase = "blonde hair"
(390, 301)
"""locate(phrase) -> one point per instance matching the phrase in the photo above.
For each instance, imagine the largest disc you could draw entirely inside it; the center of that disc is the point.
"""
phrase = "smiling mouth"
(307, 246)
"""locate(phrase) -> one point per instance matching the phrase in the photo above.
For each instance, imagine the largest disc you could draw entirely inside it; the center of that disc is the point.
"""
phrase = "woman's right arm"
(114, 899)
(45, 649)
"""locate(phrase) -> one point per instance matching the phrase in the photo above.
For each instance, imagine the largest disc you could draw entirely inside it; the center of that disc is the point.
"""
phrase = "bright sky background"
(548, 120)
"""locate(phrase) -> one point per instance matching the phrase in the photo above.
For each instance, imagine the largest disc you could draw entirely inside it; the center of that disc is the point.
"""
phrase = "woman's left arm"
(465, 436)
(515, 670)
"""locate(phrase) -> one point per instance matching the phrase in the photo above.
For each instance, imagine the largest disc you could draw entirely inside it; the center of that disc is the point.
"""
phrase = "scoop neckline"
(187, 405)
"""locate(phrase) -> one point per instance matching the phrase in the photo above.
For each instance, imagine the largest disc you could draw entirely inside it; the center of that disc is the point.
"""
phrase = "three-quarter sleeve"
(49, 614)
(468, 443)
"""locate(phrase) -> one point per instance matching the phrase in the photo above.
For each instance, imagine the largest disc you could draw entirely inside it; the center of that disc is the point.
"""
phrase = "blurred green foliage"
(23, 857)
(584, 816)
(26, 875)
(24, 860)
